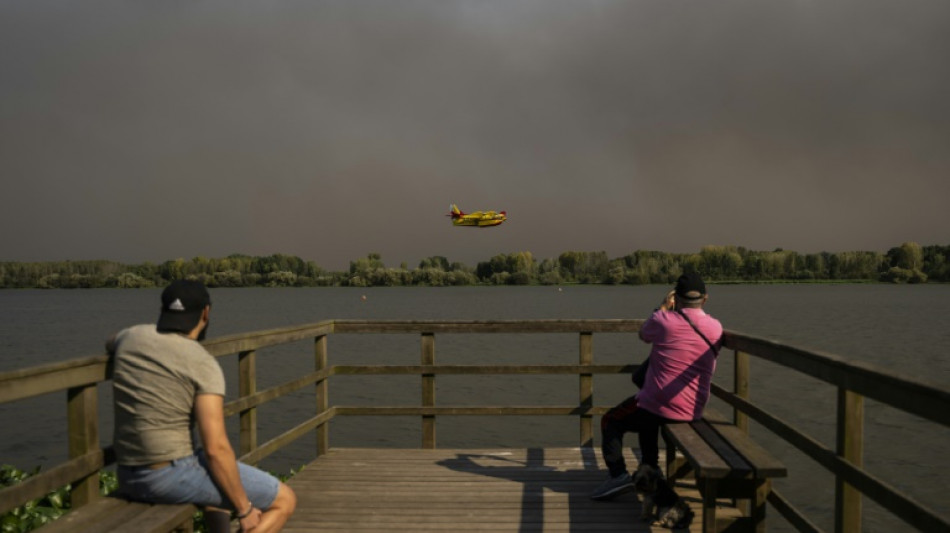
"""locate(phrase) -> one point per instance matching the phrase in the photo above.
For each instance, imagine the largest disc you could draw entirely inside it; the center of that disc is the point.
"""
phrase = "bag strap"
(690, 322)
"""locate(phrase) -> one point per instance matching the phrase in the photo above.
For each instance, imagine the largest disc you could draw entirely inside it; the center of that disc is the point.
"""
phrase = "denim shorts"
(188, 480)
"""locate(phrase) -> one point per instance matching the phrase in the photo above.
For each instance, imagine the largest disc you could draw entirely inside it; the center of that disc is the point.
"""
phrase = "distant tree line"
(907, 263)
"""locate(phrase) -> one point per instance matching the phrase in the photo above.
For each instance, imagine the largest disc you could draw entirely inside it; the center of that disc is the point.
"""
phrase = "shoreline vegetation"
(908, 263)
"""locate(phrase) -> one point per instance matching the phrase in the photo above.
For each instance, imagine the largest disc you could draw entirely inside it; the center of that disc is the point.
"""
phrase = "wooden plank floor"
(523, 490)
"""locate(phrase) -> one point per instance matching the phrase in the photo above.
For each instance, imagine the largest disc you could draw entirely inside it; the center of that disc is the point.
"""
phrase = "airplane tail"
(454, 212)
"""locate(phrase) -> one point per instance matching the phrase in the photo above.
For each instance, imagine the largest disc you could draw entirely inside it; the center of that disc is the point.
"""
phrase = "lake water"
(900, 328)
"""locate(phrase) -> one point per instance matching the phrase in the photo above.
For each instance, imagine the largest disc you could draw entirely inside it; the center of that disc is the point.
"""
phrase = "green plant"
(32, 514)
(108, 482)
(36, 513)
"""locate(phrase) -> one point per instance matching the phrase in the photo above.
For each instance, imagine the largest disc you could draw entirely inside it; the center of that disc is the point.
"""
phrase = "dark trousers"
(628, 417)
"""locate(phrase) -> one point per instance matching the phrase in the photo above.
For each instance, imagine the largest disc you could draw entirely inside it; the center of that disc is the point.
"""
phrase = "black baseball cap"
(182, 304)
(690, 287)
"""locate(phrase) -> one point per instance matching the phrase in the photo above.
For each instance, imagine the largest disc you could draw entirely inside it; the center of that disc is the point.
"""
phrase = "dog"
(662, 506)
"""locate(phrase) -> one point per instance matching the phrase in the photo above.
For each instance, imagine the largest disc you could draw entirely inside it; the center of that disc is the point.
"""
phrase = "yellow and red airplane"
(478, 219)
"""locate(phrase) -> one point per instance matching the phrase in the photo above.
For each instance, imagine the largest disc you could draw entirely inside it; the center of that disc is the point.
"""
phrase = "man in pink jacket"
(685, 342)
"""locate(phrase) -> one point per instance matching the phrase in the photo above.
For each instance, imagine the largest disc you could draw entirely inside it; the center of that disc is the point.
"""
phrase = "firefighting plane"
(477, 219)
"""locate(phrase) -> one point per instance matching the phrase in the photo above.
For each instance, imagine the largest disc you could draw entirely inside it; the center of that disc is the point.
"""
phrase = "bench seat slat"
(91, 516)
(117, 515)
(159, 518)
(764, 463)
(739, 467)
(704, 459)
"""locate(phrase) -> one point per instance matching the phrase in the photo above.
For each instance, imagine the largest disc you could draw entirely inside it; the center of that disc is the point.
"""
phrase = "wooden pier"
(519, 490)
(530, 489)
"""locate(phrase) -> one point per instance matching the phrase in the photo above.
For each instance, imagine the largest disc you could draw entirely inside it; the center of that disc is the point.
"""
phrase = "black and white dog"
(661, 504)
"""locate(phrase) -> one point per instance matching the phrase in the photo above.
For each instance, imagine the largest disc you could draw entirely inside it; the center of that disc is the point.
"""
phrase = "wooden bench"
(726, 463)
(107, 515)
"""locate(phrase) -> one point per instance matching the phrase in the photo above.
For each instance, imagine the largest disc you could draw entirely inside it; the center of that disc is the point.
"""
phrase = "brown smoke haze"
(146, 131)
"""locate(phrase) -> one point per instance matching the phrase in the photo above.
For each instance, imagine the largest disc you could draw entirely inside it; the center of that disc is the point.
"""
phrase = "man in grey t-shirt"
(166, 385)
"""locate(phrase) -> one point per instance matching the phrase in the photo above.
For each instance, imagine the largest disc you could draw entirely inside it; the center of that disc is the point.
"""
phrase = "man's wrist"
(246, 513)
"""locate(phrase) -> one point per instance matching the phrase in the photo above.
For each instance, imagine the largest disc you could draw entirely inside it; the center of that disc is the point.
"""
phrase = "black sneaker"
(613, 486)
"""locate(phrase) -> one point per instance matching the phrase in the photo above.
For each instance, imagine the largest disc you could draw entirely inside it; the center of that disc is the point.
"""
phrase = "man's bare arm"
(209, 413)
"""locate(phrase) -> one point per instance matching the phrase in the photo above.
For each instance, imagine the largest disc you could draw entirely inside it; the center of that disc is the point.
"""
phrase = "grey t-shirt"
(156, 378)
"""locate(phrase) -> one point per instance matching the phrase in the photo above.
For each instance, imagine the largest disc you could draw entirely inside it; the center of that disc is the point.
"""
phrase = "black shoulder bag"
(639, 375)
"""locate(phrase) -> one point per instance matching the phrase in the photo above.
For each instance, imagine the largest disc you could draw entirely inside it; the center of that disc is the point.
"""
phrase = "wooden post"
(740, 371)
(741, 384)
(323, 395)
(428, 391)
(707, 487)
(850, 447)
(757, 506)
(83, 424)
(586, 389)
(247, 385)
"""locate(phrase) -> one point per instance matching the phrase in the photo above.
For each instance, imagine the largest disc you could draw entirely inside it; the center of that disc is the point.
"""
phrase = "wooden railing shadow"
(537, 479)
(853, 381)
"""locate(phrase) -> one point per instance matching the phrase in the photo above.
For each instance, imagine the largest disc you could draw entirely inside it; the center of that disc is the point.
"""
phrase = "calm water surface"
(899, 328)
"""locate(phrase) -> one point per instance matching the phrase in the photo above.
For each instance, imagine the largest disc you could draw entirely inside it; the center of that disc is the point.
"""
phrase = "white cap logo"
(176, 305)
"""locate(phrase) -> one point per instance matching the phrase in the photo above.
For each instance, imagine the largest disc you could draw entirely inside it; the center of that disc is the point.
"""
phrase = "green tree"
(616, 273)
(648, 266)
(436, 261)
(523, 263)
(720, 262)
(909, 256)
(128, 280)
(937, 262)
(584, 267)
(173, 270)
(369, 263)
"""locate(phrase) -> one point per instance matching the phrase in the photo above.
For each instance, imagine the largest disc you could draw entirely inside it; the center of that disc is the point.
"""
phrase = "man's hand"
(669, 303)
(249, 522)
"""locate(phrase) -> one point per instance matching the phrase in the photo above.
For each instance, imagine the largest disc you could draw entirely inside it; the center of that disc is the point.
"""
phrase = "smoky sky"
(147, 131)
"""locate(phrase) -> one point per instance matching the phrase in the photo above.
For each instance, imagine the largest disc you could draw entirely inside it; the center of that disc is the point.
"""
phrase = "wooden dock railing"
(854, 382)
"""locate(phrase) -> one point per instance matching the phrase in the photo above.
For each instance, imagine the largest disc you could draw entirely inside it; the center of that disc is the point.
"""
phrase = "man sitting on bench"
(676, 387)
(164, 383)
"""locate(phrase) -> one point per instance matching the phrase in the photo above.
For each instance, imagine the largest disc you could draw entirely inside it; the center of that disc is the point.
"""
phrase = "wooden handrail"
(853, 380)
(55, 377)
(902, 392)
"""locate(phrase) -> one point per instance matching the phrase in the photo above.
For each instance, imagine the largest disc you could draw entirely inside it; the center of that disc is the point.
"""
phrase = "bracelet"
(247, 513)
